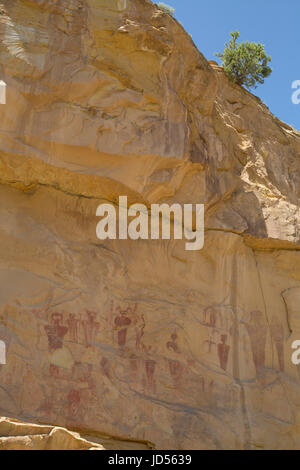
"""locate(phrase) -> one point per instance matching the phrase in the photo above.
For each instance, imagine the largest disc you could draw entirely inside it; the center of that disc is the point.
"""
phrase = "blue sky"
(274, 23)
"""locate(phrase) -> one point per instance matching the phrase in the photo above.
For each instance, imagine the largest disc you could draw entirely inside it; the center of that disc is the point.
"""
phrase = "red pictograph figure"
(55, 332)
(172, 345)
(223, 352)
(73, 402)
(210, 317)
(38, 314)
(176, 369)
(90, 328)
(105, 367)
(122, 322)
(139, 332)
(150, 369)
(82, 373)
(46, 408)
(72, 323)
(257, 331)
(210, 343)
(54, 371)
(277, 333)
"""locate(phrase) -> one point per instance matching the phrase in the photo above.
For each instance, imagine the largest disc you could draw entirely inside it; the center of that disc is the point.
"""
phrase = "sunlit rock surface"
(15, 435)
(143, 340)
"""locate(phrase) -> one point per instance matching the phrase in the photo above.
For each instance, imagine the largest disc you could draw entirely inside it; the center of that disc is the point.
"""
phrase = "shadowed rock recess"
(143, 341)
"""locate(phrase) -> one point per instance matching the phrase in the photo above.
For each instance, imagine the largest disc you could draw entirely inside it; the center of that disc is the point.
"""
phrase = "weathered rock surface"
(109, 98)
(15, 435)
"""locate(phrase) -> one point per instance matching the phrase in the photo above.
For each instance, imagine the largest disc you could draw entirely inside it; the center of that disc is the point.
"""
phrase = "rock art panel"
(141, 339)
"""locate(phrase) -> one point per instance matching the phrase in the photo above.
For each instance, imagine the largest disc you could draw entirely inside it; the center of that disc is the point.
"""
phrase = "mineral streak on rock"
(142, 339)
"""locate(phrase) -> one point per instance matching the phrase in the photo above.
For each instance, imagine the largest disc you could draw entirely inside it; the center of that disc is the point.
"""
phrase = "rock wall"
(143, 339)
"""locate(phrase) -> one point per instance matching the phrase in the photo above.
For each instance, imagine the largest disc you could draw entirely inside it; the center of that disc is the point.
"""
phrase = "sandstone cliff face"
(109, 98)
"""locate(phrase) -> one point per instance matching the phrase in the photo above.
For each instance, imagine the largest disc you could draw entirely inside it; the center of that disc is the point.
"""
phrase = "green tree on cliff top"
(245, 63)
(166, 8)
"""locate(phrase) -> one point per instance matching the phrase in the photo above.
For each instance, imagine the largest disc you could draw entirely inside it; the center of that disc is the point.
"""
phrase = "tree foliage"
(166, 8)
(245, 63)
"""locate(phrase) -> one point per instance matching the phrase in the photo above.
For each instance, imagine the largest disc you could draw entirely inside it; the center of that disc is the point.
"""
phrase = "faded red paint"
(55, 332)
(73, 402)
(105, 368)
(172, 345)
(150, 370)
(210, 343)
(210, 317)
(54, 371)
(257, 331)
(122, 322)
(176, 369)
(72, 323)
(223, 352)
(90, 328)
(46, 408)
(139, 333)
(277, 332)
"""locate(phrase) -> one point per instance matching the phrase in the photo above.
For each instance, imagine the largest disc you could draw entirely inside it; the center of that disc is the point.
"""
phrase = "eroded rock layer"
(142, 339)
(17, 435)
